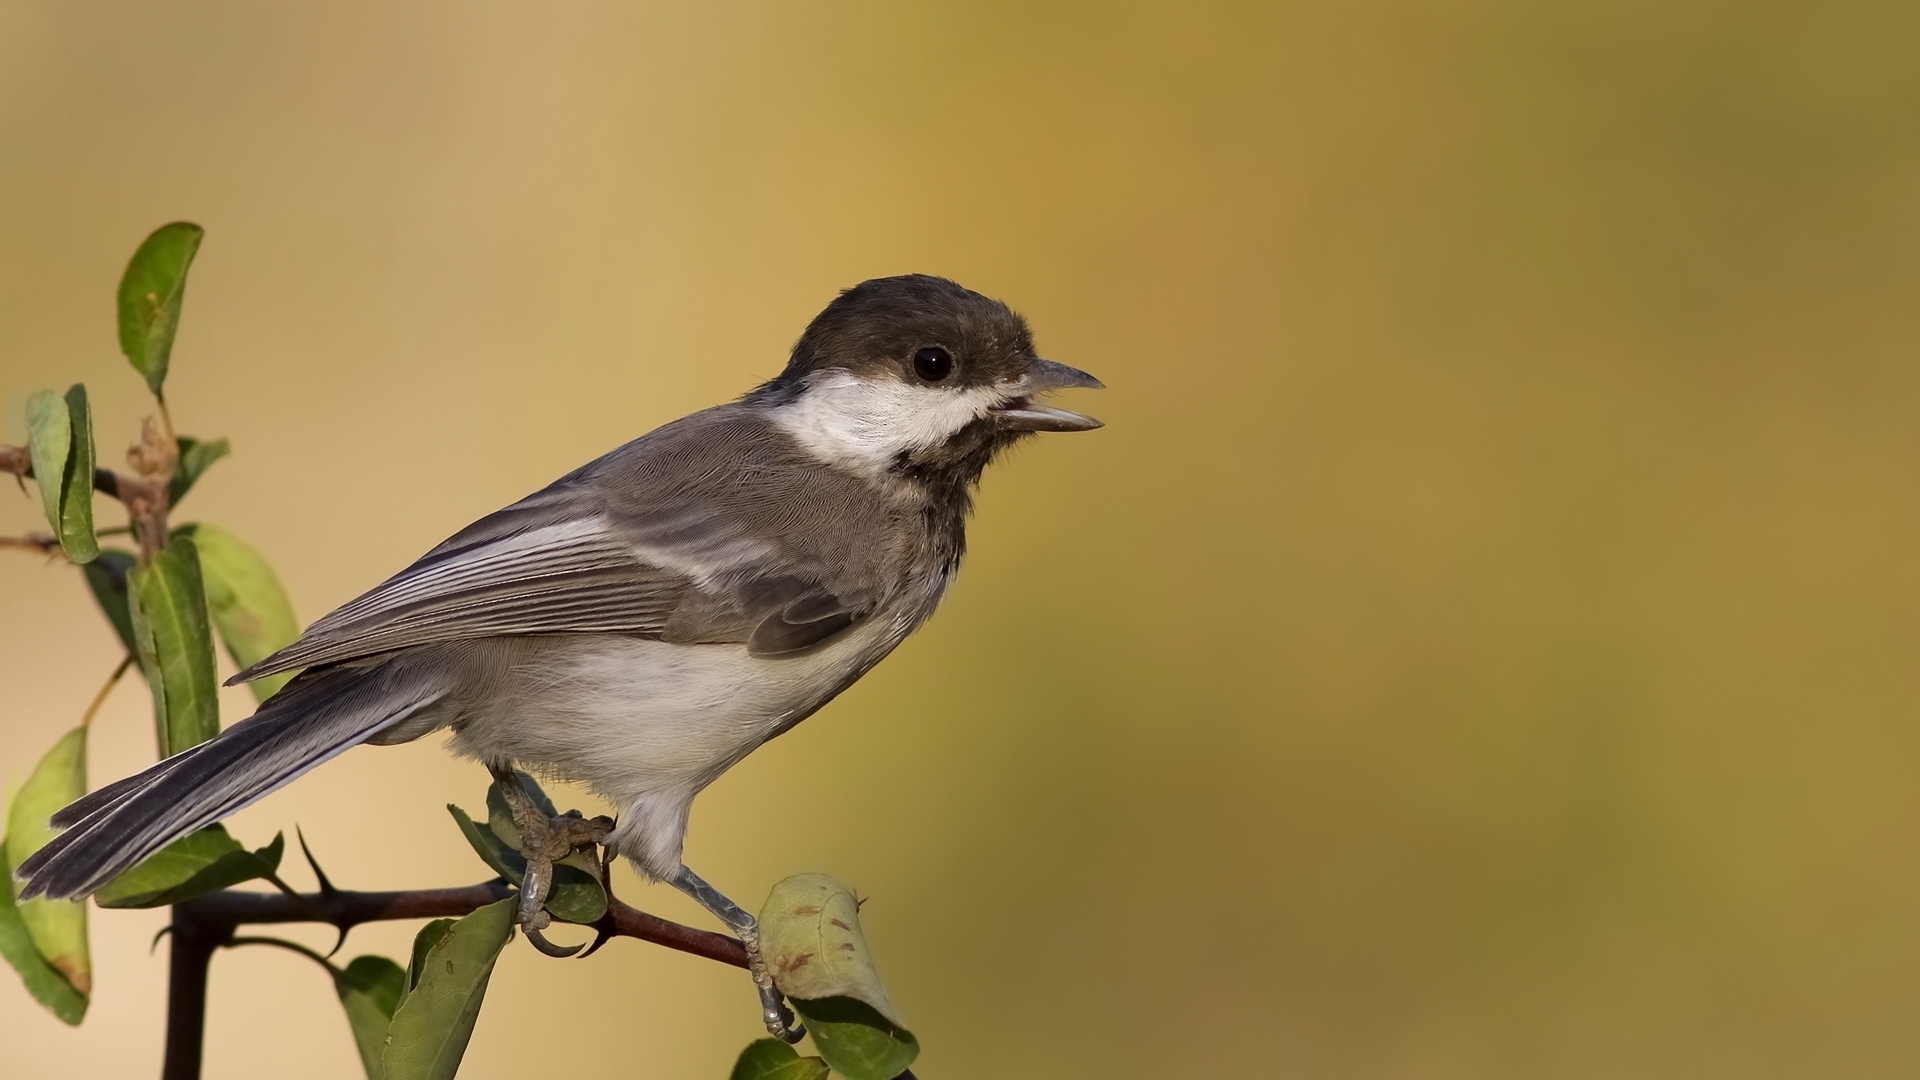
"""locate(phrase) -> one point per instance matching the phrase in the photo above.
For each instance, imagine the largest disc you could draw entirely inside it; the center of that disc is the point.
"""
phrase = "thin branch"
(18, 460)
(346, 909)
(40, 543)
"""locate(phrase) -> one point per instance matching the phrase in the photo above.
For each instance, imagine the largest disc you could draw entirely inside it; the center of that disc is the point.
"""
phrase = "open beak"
(1021, 413)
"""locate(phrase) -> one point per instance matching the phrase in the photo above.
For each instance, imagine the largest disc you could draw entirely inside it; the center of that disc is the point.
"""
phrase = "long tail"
(318, 715)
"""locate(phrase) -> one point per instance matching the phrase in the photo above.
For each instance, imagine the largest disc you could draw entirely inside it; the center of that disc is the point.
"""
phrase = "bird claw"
(544, 840)
(780, 1019)
(548, 948)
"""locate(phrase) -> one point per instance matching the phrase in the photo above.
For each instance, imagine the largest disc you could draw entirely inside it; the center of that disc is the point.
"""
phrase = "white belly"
(648, 724)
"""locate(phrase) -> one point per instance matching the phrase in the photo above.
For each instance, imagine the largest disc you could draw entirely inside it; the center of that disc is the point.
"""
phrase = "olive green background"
(1482, 643)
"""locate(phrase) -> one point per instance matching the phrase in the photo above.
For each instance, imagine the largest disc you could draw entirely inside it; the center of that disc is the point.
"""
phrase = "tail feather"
(317, 716)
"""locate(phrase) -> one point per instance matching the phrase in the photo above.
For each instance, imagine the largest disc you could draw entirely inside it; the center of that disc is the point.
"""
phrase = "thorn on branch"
(326, 887)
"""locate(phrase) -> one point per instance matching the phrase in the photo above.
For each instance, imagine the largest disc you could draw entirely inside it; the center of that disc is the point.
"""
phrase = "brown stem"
(188, 956)
(18, 461)
(145, 500)
(39, 543)
(344, 909)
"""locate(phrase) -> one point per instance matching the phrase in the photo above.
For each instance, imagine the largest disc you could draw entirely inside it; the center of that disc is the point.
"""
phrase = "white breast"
(649, 724)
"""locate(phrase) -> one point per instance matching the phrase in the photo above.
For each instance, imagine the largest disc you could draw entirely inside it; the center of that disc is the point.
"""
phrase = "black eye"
(932, 363)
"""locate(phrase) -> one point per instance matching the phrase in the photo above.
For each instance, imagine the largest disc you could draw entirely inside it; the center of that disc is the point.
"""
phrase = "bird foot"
(780, 1021)
(544, 840)
(773, 1007)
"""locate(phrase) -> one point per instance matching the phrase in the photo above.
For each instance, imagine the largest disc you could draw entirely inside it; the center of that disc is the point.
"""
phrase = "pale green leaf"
(60, 442)
(58, 927)
(49, 443)
(149, 299)
(245, 600)
(810, 936)
(47, 985)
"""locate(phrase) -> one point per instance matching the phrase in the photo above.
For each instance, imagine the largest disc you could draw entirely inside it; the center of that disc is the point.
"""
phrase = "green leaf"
(58, 927)
(431, 1027)
(811, 939)
(197, 863)
(107, 577)
(150, 293)
(49, 443)
(47, 985)
(195, 457)
(370, 988)
(810, 936)
(576, 895)
(60, 442)
(493, 851)
(245, 600)
(771, 1059)
(423, 942)
(175, 646)
(76, 490)
(858, 1042)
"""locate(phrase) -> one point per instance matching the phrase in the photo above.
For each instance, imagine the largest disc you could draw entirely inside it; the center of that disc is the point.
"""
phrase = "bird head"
(915, 374)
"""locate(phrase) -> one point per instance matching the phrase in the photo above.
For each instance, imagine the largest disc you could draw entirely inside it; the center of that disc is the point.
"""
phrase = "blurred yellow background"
(1482, 643)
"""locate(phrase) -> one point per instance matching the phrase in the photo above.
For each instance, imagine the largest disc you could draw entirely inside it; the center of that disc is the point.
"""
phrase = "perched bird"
(650, 618)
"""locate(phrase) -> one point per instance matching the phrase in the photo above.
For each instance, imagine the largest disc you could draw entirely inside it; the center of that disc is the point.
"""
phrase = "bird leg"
(544, 840)
(779, 1020)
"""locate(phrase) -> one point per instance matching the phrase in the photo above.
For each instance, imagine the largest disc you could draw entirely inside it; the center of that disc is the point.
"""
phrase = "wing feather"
(664, 537)
(576, 577)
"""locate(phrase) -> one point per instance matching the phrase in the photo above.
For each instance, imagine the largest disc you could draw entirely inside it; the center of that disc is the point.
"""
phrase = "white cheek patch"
(869, 423)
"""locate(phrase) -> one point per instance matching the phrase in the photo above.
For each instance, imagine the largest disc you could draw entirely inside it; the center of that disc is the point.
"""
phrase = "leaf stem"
(100, 698)
(166, 418)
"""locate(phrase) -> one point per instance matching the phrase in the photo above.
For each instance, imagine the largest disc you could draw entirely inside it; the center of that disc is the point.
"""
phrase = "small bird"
(650, 618)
